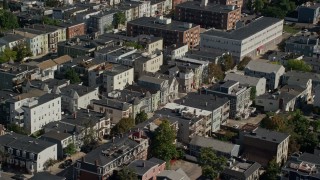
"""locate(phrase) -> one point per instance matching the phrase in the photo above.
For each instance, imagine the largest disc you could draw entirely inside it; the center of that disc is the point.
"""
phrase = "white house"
(29, 153)
(118, 77)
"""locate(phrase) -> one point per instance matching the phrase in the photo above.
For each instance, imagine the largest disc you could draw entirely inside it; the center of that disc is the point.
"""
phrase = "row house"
(147, 169)
(10, 41)
(101, 162)
(74, 29)
(27, 153)
(102, 22)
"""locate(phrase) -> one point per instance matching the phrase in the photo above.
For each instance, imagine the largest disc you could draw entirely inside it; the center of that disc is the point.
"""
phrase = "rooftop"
(304, 75)
(79, 89)
(217, 145)
(216, 8)
(112, 103)
(55, 135)
(261, 66)
(141, 167)
(242, 170)
(24, 142)
(243, 79)
(245, 31)
(84, 117)
(267, 135)
(151, 79)
(117, 69)
(151, 22)
(173, 175)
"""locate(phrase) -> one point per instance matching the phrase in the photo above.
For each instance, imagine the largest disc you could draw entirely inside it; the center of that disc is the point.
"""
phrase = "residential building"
(157, 8)
(262, 145)
(305, 84)
(214, 108)
(74, 128)
(173, 32)
(272, 72)
(116, 109)
(2, 130)
(190, 123)
(146, 63)
(36, 40)
(147, 169)
(118, 77)
(55, 34)
(303, 76)
(6, 96)
(76, 96)
(238, 95)
(68, 12)
(74, 29)
(254, 82)
(47, 69)
(208, 15)
(12, 40)
(228, 2)
(306, 45)
(220, 147)
(85, 16)
(102, 161)
(251, 40)
(309, 13)
(151, 44)
(130, 9)
(61, 61)
(28, 153)
(13, 75)
(288, 98)
(176, 51)
(102, 22)
(241, 170)
(173, 175)
(47, 86)
(317, 96)
(301, 166)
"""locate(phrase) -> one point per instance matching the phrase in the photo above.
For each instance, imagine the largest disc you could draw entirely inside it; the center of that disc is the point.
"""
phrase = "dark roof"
(245, 31)
(11, 38)
(267, 135)
(243, 170)
(112, 103)
(202, 101)
(83, 117)
(46, 176)
(81, 90)
(5, 95)
(141, 167)
(306, 75)
(55, 135)
(217, 8)
(24, 142)
(150, 22)
(63, 127)
(307, 157)
(156, 160)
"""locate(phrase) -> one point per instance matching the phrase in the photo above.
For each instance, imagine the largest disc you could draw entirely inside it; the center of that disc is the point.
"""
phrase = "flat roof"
(268, 135)
(245, 31)
(217, 8)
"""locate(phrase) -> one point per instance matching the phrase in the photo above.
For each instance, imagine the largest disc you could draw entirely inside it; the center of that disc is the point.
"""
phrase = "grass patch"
(290, 29)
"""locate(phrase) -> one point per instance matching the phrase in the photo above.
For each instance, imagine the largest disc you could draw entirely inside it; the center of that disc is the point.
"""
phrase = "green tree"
(210, 163)
(126, 174)
(70, 149)
(258, 5)
(5, 5)
(300, 65)
(8, 20)
(16, 128)
(215, 71)
(316, 125)
(119, 18)
(276, 122)
(73, 76)
(22, 51)
(50, 162)
(124, 125)
(228, 62)
(8, 55)
(253, 92)
(272, 171)
(309, 142)
(274, 11)
(141, 117)
(242, 64)
(50, 21)
(162, 143)
(133, 44)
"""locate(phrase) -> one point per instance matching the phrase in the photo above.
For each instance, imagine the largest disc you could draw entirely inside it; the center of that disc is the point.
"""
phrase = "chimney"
(204, 3)
(206, 103)
(75, 115)
(113, 138)
(96, 162)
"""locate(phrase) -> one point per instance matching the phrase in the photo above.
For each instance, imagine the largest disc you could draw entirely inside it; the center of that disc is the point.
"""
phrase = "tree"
(8, 20)
(253, 93)
(242, 64)
(5, 5)
(16, 128)
(228, 62)
(141, 117)
(272, 171)
(53, 3)
(162, 143)
(8, 55)
(258, 5)
(276, 122)
(119, 18)
(124, 125)
(70, 149)
(274, 11)
(300, 65)
(126, 174)
(133, 44)
(50, 162)
(215, 71)
(50, 21)
(316, 125)
(22, 51)
(210, 163)
(73, 76)
(309, 142)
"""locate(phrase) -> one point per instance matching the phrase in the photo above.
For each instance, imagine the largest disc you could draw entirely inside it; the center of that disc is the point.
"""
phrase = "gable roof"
(46, 64)
(261, 66)
(62, 59)
(243, 79)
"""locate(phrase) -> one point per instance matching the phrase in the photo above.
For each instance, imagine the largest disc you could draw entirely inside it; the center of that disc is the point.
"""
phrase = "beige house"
(148, 63)
(118, 77)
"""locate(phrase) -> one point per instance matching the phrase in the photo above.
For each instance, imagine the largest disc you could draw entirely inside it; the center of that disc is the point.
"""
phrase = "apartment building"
(307, 45)
(47, 69)
(77, 96)
(254, 82)
(238, 95)
(147, 169)
(28, 153)
(12, 40)
(116, 109)
(118, 77)
(260, 69)
(251, 40)
(176, 51)
(241, 170)
(74, 29)
(102, 22)
(309, 12)
(208, 15)
(215, 108)
(262, 145)
(33, 113)
(151, 44)
(37, 40)
(304, 76)
(238, 3)
(173, 32)
(130, 9)
(102, 161)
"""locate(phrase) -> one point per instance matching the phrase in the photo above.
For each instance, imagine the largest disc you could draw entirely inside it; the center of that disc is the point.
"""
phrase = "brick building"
(173, 32)
(74, 29)
(208, 15)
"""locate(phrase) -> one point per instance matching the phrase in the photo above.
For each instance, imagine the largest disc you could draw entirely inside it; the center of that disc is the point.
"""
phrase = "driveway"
(193, 170)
